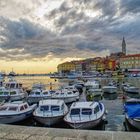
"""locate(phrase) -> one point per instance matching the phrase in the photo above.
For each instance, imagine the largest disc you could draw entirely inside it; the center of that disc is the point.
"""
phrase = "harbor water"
(114, 120)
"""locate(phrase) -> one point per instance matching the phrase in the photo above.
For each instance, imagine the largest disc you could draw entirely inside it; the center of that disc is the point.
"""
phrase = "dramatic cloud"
(67, 28)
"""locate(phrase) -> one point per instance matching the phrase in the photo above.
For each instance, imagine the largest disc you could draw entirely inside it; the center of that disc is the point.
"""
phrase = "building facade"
(66, 67)
(130, 62)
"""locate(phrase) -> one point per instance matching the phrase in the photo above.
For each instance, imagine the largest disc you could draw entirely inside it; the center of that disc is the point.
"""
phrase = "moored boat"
(132, 112)
(37, 94)
(85, 114)
(50, 111)
(15, 111)
(12, 91)
(66, 95)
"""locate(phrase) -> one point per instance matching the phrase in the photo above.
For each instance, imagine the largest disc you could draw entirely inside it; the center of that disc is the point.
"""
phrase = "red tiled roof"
(131, 55)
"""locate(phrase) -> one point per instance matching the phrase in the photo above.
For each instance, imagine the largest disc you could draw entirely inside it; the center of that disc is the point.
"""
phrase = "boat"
(83, 115)
(94, 93)
(40, 86)
(37, 94)
(92, 84)
(132, 112)
(50, 112)
(132, 90)
(15, 111)
(66, 95)
(12, 91)
(111, 88)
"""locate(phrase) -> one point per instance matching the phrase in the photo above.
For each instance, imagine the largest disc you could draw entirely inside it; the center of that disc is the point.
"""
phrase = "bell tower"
(123, 46)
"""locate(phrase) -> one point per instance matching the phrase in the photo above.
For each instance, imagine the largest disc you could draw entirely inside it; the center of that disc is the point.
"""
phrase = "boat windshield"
(37, 93)
(96, 109)
(5, 93)
(44, 108)
(3, 108)
(12, 85)
(12, 92)
(86, 111)
(45, 93)
(69, 93)
(75, 111)
(54, 108)
(12, 108)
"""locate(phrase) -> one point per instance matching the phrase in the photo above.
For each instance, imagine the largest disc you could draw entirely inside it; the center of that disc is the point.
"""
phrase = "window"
(45, 93)
(12, 86)
(25, 106)
(96, 109)
(12, 108)
(86, 111)
(54, 108)
(3, 108)
(21, 108)
(6, 93)
(13, 92)
(69, 93)
(62, 107)
(44, 108)
(75, 111)
(37, 93)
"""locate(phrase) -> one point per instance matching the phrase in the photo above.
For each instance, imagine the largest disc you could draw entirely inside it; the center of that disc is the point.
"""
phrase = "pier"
(13, 132)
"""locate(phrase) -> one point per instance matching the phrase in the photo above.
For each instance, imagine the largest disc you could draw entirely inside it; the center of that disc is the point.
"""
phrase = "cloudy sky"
(36, 35)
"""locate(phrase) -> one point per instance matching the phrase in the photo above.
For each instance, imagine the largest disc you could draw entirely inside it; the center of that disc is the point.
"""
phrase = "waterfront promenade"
(13, 132)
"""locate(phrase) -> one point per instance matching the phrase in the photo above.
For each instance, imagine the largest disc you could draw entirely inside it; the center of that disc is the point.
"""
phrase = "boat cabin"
(85, 108)
(14, 107)
(51, 105)
(8, 92)
(12, 84)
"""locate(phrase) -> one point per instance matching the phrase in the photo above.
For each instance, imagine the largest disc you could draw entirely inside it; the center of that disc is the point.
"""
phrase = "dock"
(13, 132)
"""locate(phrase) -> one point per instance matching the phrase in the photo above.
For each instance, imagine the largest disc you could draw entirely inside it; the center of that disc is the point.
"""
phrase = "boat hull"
(32, 100)
(48, 121)
(7, 119)
(85, 125)
(110, 90)
(67, 99)
(13, 98)
(134, 122)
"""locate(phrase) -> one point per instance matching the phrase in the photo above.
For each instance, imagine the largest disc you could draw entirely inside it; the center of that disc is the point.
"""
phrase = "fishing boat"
(66, 95)
(15, 111)
(12, 91)
(50, 111)
(132, 112)
(85, 114)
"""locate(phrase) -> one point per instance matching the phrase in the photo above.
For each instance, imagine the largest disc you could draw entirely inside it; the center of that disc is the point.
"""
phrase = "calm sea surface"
(115, 119)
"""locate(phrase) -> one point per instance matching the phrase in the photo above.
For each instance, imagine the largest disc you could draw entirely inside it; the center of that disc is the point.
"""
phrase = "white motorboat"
(111, 88)
(15, 111)
(85, 114)
(50, 111)
(92, 84)
(37, 94)
(12, 91)
(132, 90)
(66, 95)
(132, 112)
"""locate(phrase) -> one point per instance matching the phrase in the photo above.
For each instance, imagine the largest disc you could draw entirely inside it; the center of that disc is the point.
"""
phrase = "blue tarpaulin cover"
(133, 110)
